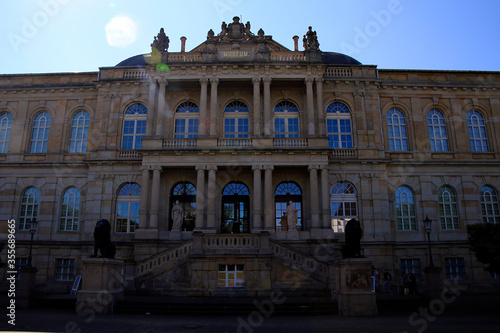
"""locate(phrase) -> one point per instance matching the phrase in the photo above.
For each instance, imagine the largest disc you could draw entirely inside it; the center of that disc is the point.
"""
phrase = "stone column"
(151, 108)
(161, 107)
(313, 179)
(257, 197)
(257, 131)
(211, 197)
(267, 107)
(155, 198)
(321, 113)
(200, 197)
(325, 196)
(213, 106)
(202, 128)
(268, 198)
(311, 130)
(143, 212)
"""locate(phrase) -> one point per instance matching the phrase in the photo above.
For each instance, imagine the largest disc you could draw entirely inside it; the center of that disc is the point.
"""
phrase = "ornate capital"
(201, 168)
(256, 167)
(162, 81)
(267, 80)
(145, 167)
(309, 80)
(204, 80)
(157, 168)
(212, 168)
(319, 80)
(256, 80)
(214, 81)
(313, 168)
(268, 168)
(324, 168)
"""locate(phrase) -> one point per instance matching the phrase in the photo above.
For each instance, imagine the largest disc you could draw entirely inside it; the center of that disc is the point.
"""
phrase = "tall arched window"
(127, 208)
(286, 120)
(235, 208)
(448, 208)
(187, 120)
(286, 192)
(396, 130)
(29, 207)
(40, 136)
(437, 131)
(134, 126)
(70, 210)
(477, 131)
(489, 205)
(79, 132)
(236, 120)
(405, 209)
(338, 125)
(185, 194)
(5, 126)
(343, 205)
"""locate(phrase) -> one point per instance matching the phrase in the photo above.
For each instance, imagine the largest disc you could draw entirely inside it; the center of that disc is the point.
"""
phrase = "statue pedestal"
(433, 282)
(355, 295)
(26, 287)
(174, 235)
(292, 234)
(102, 285)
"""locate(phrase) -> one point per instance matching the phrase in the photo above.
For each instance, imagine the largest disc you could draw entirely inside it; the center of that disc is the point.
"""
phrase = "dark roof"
(334, 58)
(138, 60)
(331, 58)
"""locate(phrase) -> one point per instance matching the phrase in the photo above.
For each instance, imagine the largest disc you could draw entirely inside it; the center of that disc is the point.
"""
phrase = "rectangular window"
(64, 270)
(455, 268)
(232, 276)
(411, 266)
(186, 128)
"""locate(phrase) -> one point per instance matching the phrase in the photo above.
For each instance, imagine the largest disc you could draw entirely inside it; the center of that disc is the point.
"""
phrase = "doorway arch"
(235, 208)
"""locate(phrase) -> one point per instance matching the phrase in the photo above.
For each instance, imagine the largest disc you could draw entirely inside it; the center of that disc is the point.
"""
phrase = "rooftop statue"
(234, 30)
(310, 40)
(161, 41)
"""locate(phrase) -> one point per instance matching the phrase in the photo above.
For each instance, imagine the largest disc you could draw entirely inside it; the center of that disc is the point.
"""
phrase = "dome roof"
(334, 58)
(331, 58)
(138, 60)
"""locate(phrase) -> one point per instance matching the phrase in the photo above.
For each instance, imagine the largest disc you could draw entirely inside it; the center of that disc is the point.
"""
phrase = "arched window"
(437, 131)
(29, 207)
(405, 209)
(448, 209)
(396, 130)
(127, 208)
(236, 120)
(40, 137)
(489, 205)
(343, 205)
(477, 131)
(70, 210)
(134, 126)
(5, 126)
(338, 125)
(79, 132)
(187, 120)
(235, 208)
(286, 120)
(286, 192)
(185, 194)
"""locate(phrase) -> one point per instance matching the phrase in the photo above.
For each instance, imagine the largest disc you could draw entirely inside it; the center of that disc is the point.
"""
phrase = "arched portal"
(185, 194)
(286, 192)
(235, 208)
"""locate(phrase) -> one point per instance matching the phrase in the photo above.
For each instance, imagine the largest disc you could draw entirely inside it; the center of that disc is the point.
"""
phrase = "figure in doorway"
(291, 213)
(177, 216)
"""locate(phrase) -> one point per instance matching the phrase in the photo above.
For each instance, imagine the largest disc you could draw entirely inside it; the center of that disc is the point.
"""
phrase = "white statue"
(177, 216)
(291, 213)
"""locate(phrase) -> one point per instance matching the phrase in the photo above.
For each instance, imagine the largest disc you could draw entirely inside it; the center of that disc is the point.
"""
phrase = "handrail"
(166, 257)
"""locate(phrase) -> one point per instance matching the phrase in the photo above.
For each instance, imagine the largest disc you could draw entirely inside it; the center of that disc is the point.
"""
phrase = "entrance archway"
(185, 193)
(235, 208)
(286, 192)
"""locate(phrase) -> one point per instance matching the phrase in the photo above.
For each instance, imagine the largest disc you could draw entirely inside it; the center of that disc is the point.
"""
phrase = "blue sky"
(46, 36)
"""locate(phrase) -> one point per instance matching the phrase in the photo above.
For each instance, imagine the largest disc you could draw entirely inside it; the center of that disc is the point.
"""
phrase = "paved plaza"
(466, 314)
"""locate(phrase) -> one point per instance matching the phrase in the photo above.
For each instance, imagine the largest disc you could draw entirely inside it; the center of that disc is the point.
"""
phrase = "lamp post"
(428, 229)
(33, 225)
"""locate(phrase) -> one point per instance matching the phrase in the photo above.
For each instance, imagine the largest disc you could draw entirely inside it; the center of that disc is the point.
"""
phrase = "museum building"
(234, 167)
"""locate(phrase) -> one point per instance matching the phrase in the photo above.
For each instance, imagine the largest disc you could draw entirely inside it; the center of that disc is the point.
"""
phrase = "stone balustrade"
(163, 259)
